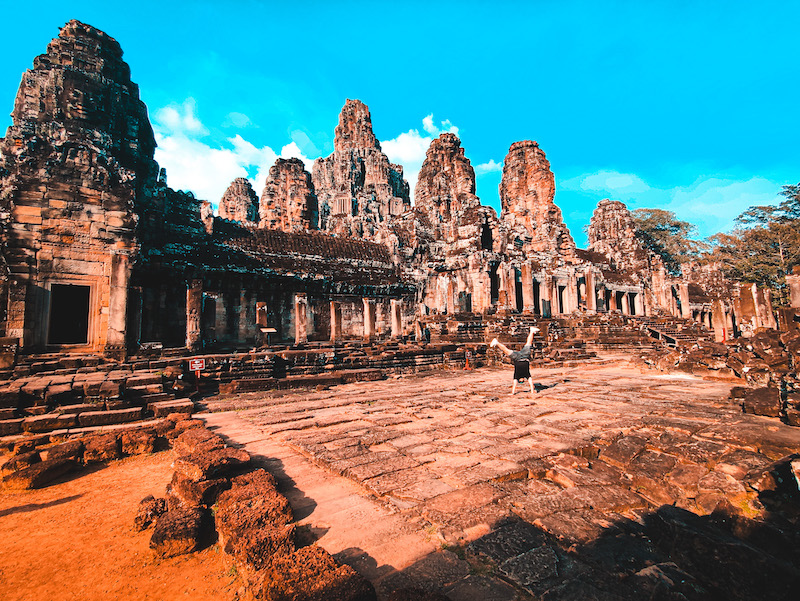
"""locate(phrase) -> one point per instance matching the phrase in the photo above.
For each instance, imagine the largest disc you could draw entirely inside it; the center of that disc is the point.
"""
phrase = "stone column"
(683, 294)
(300, 318)
(626, 304)
(793, 283)
(527, 287)
(336, 321)
(546, 297)
(718, 321)
(572, 294)
(194, 311)
(638, 302)
(591, 293)
(117, 306)
(396, 307)
(15, 324)
(369, 318)
(245, 323)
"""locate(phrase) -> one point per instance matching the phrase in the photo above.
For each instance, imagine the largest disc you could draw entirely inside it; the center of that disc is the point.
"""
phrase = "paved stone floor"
(448, 482)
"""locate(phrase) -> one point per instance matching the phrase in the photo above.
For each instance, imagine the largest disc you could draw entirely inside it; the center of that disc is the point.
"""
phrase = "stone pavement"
(578, 491)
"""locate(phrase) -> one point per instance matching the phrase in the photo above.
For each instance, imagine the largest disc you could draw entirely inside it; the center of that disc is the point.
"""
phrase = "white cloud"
(489, 167)
(409, 148)
(206, 170)
(239, 120)
(710, 202)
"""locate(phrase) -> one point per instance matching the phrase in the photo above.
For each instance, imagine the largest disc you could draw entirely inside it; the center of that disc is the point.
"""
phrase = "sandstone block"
(167, 408)
(310, 574)
(48, 422)
(180, 531)
(197, 440)
(252, 503)
(138, 442)
(18, 462)
(105, 418)
(192, 493)
(72, 449)
(763, 401)
(206, 465)
(150, 509)
(10, 426)
(101, 447)
(38, 474)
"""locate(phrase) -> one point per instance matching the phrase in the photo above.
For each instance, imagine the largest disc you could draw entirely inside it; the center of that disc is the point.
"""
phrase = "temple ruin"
(102, 256)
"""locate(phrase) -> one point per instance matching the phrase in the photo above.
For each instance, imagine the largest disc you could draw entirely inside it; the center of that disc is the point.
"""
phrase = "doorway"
(69, 314)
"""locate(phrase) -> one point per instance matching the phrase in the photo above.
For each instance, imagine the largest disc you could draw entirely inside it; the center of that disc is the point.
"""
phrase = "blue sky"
(686, 106)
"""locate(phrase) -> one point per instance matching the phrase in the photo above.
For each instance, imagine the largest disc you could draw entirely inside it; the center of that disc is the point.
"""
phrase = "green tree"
(663, 233)
(764, 246)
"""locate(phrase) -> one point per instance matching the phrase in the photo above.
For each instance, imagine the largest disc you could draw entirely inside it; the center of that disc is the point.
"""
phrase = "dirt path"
(74, 540)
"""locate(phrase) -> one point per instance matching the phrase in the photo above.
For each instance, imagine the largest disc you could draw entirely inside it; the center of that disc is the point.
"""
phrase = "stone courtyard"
(609, 482)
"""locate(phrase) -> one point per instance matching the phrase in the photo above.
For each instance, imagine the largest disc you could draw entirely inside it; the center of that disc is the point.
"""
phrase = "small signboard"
(198, 364)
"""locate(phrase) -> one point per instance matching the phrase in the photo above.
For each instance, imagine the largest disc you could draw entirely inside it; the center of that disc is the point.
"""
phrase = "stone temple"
(98, 254)
(615, 479)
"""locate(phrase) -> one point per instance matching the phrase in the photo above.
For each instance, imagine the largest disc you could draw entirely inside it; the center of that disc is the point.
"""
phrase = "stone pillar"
(117, 306)
(300, 318)
(369, 318)
(245, 322)
(718, 322)
(15, 324)
(336, 321)
(766, 315)
(591, 292)
(683, 294)
(546, 297)
(638, 302)
(793, 283)
(503, 303)
(527, 287)
(572, 294)
(194, 311)
(396, 307)
(626, 304)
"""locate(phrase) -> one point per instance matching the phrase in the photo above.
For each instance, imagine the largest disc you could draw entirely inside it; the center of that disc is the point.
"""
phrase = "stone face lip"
(288, 202)
(239, 203)
(527, 190)
(358, 189)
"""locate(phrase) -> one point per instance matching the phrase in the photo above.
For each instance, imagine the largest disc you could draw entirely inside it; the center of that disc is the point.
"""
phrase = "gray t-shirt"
(521, 355)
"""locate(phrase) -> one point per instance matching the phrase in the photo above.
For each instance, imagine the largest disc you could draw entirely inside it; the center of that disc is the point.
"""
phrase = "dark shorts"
(522, 370)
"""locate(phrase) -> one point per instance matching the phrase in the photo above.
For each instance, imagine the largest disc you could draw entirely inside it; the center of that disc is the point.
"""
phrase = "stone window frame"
(91, 334)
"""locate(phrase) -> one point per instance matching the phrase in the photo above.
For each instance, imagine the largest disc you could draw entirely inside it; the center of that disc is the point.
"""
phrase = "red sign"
(197, 364)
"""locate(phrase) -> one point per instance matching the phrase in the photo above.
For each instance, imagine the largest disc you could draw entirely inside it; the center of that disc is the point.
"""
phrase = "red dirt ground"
(75, 540)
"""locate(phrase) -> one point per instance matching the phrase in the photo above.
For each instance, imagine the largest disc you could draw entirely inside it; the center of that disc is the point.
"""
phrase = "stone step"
(164, 408)
(104, 418)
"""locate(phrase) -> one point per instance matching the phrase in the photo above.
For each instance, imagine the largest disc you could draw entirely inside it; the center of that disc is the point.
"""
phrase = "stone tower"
(527, 191)
(75, 162)
(239, 203)
(288, 202)
(357, 187)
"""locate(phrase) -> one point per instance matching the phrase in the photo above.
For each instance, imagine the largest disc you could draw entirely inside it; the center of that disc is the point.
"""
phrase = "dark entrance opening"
(536, 299)
(486, 237)
(561, 290)
(494, 283)
(518, 289)
(69, 314)
(632, 303)
(620, 298)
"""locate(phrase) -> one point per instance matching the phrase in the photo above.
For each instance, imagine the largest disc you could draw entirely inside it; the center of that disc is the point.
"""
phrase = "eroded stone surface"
(239, 203)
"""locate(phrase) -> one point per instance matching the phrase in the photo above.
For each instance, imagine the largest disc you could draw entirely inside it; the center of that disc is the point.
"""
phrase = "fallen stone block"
(206, 465)
(138, 442)
(38, 474)
(18, 462)
(763, 401)
(180, 531)
(150, 509)
(253, 502)
(101, 447)
(310, 574)
(77, 408)
(105, 418)
(197, 440)
(258, 546)
(191, 493)
(793, 417)
(71, 449)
